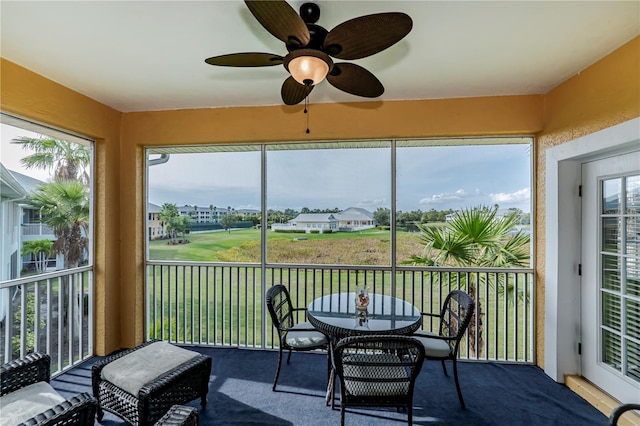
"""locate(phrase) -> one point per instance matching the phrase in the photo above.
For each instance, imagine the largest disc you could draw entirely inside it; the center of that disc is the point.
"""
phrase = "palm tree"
(65, 208)
(66, 159)
(476, 238)
(40, 250)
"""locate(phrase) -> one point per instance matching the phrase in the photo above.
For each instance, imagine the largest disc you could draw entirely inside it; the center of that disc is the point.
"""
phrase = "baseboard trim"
(599, 399)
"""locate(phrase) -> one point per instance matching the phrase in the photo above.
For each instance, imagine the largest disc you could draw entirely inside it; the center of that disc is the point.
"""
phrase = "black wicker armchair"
(454, 318)
(292, 337)
(377, 371)
(17, 380)
(617, 412)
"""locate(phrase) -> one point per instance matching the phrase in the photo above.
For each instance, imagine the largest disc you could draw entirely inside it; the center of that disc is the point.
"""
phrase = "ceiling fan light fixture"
(308, 66)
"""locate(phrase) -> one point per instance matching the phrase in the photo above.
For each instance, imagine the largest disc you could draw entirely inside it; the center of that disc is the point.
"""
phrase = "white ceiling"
(149, 55)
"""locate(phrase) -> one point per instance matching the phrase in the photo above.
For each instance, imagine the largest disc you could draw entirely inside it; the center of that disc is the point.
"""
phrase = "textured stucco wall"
(31, 96)
(605, 94)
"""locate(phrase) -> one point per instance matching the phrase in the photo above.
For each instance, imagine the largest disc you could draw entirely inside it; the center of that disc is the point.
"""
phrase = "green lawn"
(368, 247)
(223, 304)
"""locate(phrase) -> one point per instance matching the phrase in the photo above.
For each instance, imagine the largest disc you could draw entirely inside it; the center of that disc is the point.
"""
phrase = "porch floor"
(495, 394)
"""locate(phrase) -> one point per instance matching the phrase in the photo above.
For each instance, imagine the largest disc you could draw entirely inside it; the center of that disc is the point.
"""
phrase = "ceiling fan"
(311, 47)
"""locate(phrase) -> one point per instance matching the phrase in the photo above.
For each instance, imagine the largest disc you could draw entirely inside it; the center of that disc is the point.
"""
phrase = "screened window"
(339, 203)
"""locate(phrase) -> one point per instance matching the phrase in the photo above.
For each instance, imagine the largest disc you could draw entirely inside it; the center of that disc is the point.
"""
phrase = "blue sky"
(428, 178)
(437, 177)
(10, 154)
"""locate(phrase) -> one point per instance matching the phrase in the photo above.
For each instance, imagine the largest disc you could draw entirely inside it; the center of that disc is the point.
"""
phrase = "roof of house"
(27, 182)
(15, 185)
(315, 217)
(355, 213)
(153, 208)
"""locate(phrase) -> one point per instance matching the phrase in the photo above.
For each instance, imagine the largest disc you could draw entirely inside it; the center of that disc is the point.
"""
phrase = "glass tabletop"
(336, 315)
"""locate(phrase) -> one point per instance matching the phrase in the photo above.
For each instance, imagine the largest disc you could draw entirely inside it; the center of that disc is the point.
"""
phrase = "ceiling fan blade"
(246, 60)
(366, 35)
(354, 79)
(281, 20)
(293, 92)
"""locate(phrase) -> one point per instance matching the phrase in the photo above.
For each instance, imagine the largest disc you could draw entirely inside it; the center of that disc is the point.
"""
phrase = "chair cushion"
(140, 367)
(22, 404)
(436, 348)
(364, 387)
(305, 338)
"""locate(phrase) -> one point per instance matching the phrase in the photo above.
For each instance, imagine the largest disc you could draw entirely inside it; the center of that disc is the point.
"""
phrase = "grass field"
(369, 247)
(223, 304)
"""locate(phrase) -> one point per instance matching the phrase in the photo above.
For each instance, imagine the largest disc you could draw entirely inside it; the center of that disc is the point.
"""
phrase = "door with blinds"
(610, 299)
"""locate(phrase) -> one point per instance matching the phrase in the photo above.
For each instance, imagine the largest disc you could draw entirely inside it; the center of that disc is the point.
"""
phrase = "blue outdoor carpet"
(495, 394)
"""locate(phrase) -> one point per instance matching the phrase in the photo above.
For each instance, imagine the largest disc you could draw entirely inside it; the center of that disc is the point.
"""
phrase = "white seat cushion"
(22, 404)
(433, 347)
(364, 388)
(143, 366)
(305, 338)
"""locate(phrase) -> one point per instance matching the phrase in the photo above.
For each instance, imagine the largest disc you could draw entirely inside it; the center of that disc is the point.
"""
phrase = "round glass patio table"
(336, 315)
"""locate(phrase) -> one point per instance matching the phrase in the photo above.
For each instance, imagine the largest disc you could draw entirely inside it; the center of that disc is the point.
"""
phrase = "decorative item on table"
(362, 298)
(362, 319)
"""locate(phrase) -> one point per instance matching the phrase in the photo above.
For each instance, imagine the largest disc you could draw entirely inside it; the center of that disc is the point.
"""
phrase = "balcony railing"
(36, 229)
(50, 313)
(223, 304)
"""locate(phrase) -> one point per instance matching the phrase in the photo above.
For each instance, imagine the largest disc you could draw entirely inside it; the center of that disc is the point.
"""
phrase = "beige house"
(351, 219)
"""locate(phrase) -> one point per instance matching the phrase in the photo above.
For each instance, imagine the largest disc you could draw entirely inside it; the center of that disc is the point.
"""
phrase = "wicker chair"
(36, 368)
(619, 411)
(180, 385)
(291, 336)
(454, 318)
(377, 371)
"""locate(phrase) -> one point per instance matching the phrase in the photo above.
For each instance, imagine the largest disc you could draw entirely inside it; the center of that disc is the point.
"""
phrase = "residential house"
(351, 219)
(12, 193)
(155, 226)
(21, 223)
(355, 219)
(309, 222)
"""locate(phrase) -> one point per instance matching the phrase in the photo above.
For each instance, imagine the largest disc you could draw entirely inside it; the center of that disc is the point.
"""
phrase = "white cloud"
(511, 197)
(445, 197)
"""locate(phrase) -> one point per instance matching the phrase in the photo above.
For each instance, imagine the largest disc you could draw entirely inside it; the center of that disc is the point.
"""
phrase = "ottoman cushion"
(24, 403)
(143, 366)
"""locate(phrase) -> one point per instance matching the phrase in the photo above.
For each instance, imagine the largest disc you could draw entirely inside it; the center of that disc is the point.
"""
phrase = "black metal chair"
(291, 336)
(377, 371)
(34, 369)
(454, 318)
(619, 411)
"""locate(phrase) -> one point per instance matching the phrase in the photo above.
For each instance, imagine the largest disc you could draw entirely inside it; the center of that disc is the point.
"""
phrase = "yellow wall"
(597, 98)
(603, 95)
(28, 95)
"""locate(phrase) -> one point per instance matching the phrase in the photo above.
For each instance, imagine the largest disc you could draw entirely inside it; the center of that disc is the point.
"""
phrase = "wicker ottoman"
(178, 385)
(179, 415)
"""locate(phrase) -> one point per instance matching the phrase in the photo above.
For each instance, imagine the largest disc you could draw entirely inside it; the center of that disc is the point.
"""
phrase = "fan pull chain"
(306, 110)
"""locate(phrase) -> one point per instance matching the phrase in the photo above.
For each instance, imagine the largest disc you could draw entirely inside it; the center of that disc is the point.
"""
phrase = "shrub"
(31, 335)
(314, 231)
(171, 330)
(290, 231)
